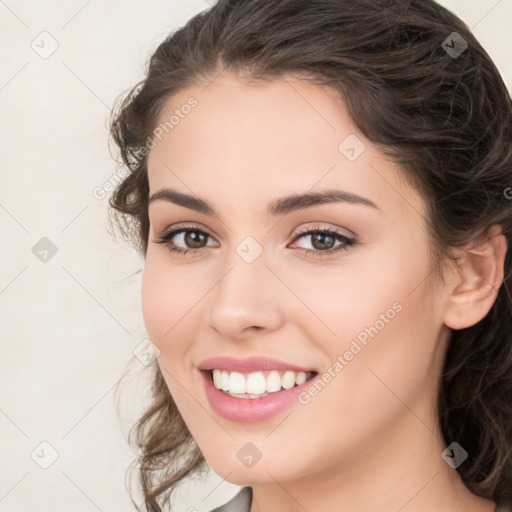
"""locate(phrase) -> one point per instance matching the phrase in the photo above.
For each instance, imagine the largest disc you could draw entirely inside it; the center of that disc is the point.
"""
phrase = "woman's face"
(366, 316)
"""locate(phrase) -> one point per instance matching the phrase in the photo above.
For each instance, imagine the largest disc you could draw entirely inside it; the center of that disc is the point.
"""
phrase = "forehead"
(270, 117)
(265, 139)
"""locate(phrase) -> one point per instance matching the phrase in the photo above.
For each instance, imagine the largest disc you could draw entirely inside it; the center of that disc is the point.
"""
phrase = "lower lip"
(249, 410)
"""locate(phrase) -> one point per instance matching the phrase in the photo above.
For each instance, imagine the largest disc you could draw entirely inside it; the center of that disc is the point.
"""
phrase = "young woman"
(321, 192)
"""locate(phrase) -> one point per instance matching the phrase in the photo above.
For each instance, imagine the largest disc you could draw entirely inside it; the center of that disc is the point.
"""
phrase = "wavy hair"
(445, 117)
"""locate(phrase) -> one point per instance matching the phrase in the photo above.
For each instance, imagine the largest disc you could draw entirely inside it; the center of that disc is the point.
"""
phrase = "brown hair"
(444, 116)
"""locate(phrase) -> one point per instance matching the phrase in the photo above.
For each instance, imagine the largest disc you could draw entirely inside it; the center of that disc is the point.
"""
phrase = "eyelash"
(347, 242)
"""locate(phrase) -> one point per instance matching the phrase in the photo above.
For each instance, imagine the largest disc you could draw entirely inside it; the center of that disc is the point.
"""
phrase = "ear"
(479, 278)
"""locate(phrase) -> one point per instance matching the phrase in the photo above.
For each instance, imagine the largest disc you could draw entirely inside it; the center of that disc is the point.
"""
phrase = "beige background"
(70, 324)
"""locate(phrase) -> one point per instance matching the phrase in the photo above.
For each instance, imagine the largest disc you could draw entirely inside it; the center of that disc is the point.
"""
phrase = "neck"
(403, 471)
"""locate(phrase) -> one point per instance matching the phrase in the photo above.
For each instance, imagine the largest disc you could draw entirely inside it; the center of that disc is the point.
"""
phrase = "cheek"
(380, 321)
(167, 296)
(162, 309)
(155, 303)
(346, 300)
(171, 310)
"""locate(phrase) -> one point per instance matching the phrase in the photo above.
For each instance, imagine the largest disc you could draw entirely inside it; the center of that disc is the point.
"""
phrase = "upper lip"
(248, 365)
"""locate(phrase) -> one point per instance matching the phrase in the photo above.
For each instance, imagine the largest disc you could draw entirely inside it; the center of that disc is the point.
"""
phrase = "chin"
(261, 472)
(246, 477)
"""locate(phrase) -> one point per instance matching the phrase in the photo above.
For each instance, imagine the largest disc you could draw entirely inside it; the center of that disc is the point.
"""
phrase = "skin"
(370, 439)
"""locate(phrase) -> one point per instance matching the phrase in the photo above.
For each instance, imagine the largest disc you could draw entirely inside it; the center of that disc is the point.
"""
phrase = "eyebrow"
(280, 206)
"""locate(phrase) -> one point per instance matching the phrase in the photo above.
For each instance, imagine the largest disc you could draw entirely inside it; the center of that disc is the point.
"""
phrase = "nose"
(245, 300)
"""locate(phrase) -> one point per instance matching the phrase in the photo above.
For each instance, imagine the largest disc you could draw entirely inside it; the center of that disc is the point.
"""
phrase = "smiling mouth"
(257, 384)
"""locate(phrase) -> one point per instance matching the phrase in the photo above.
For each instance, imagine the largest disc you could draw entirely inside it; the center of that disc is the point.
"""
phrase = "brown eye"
(182, 240)
(194, 239)
(323, 241)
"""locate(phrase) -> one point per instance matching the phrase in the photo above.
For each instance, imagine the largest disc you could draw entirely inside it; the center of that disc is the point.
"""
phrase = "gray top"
(242, 503)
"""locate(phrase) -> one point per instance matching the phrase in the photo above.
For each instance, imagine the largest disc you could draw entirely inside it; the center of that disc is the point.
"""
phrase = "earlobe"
(479, 279)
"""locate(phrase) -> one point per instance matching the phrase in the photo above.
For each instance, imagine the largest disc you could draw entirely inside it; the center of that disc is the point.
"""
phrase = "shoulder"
(240, 503)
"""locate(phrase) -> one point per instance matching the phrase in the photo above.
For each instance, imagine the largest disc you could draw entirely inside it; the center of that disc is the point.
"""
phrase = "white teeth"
(255, 385)
(301, 378)
(288, 380)
(273, 382)
(217, 379)
(236, 383)
(225, 381)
